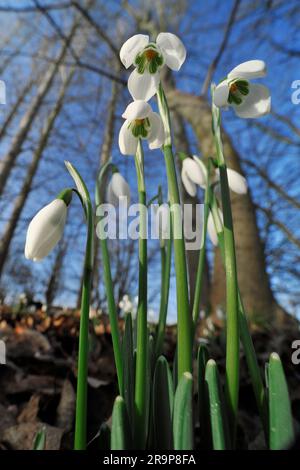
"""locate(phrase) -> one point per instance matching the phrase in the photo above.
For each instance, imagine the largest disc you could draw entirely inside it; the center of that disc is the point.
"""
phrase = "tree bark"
(32, 169)
(7, 164)
(252, 275)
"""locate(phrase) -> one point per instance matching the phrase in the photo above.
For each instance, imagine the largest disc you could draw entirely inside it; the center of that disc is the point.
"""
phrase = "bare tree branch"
(214, 63)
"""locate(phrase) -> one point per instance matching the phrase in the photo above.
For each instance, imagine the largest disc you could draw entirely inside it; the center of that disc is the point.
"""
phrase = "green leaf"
(202, 399)
(40, 440)
(163, 402)
(281, 431)
(104, 437)
(218, 419)
(120, 429)
(182, 414)
(128, 367)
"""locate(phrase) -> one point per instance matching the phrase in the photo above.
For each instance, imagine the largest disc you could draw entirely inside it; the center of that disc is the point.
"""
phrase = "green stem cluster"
(183, 308)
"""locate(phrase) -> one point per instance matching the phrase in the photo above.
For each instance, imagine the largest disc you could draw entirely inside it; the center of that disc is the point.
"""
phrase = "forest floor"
(38, 381)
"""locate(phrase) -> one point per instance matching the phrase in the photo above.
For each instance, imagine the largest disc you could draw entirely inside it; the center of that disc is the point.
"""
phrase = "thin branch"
(84, 12)
(222, 48)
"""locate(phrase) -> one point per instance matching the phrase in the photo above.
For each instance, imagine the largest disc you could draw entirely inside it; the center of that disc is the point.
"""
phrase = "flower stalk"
(82, 374)
(232, 305)
(201, 261)
(112, 311)
(165, 255)
(142, 333)
(183, 309)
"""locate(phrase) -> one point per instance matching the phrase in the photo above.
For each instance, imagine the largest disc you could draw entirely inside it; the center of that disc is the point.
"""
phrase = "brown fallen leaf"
(66, 408)
(21, 436)
(30, 411)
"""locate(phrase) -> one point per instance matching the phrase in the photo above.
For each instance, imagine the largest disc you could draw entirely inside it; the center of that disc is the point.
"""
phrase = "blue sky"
(78, 131)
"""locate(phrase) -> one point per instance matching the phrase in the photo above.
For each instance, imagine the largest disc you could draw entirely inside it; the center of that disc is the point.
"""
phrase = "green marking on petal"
(140, 128)
(149, 59)
(238, 88)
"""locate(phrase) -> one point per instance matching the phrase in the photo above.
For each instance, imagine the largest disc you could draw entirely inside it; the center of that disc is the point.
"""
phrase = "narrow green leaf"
(104, 437)
(281, 431)
(163, 402)
(182, 414)
(128, 367)
(202, 399)
(40, 440)
(120, 429)
(218, 421)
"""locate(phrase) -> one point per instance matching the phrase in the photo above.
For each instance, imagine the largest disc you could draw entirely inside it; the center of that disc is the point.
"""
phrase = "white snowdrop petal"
(132, 47)
(143, 86)
(173, 50)
(120, 186)
(221, 94)
(157, 134)
(138, 109)
(127, 142)
(189, 185)
(237, 182)
(45, 230)
(203, 170)
(249, 69)
(194, 171)
(110, 196)
(257, 103)
(211, 230)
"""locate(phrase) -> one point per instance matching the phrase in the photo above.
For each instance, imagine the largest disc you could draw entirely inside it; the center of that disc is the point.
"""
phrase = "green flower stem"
(81, 399)
(201, 261)
(232, 305)
(254, 370)
(112, 311)
(165, 255)
(183, 309)
(142, 333)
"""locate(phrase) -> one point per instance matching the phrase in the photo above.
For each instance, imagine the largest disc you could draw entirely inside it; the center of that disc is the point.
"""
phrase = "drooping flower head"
(117, 188)
(141, 123)
(194, 173)
(249, 100)
(46, 228)
(148, 59)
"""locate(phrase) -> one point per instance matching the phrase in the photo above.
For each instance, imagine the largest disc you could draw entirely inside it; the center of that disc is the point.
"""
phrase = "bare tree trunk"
(15, 108)
(7, 164)
(105, 154)
(253, 278)
(22, 197)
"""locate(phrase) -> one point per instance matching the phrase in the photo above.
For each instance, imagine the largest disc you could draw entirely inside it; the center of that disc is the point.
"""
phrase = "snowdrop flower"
(193, 173)
(117, 188)
(148, 58)
(236, 182)
(125, 304)
(249, 100)
(214, 227)
(46, 228)
(141, 123)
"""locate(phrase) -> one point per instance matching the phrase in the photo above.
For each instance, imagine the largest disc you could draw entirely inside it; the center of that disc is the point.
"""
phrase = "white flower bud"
(45, 230)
